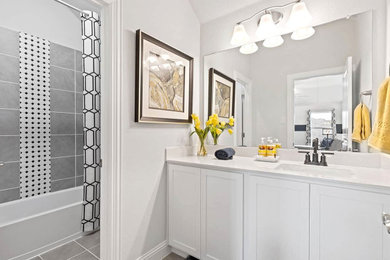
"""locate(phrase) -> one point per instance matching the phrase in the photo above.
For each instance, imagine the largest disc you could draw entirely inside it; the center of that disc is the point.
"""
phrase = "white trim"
(157, 253)
(111, 130)
(179, 252)
(290, 96)
(248, 107)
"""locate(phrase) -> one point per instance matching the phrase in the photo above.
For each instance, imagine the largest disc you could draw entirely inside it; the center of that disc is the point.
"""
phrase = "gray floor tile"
(173, 256)
(9, 175)
(95, 250)
(84, 256)
(9, 122)
(62, 184)
(62, 101)
(89, 241)
(61, 123)
(62, 168)
(62, 145)
(9, 148)
(36, 258)
(9, 68)
(9, 42)
(10, 95)
(61, 56)
(9, 195)
(63, 252)
(63, 79)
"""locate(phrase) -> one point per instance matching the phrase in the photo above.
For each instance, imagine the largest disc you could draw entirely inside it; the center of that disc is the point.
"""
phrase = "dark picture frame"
(214, 77)
(178, 68)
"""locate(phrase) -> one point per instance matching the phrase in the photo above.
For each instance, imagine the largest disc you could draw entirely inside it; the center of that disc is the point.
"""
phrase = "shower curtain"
(91, 117)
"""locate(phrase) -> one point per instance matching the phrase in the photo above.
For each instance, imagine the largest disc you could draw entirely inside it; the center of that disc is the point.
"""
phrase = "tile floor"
(173, 256)
(83, 248)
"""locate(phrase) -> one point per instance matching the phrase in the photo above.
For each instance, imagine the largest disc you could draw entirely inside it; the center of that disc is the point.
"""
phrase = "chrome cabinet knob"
(1, 164)
(386, 221)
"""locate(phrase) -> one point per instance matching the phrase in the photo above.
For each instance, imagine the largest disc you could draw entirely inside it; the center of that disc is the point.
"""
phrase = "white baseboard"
(157, 253)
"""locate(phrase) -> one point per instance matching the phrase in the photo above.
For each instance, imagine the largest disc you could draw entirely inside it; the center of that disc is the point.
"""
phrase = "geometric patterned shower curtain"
(91, 117)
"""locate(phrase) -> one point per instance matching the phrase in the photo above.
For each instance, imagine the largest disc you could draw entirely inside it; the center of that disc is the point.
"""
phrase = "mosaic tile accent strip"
(91, 115)
(34, 115)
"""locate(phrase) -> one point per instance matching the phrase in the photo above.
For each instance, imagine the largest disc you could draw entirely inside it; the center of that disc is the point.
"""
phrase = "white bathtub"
(34, 225)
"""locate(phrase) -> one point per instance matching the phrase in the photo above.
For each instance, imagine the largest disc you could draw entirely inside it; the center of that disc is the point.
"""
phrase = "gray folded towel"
(225, 154)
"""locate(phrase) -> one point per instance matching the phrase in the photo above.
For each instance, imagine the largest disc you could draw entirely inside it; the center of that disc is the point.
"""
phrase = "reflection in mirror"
(303, 89)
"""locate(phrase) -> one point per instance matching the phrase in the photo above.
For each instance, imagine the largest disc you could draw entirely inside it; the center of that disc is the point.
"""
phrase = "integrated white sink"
(315, 170)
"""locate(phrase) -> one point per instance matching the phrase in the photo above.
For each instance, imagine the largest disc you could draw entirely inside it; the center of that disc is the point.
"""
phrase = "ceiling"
(207, 10)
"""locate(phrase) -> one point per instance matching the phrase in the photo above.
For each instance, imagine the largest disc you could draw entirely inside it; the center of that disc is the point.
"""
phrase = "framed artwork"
(221, 94)
(164, 82)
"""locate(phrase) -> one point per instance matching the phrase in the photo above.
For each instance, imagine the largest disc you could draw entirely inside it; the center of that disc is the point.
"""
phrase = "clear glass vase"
(202, 148)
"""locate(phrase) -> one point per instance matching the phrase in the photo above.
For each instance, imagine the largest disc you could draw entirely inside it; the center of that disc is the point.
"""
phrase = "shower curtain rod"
(71, 6)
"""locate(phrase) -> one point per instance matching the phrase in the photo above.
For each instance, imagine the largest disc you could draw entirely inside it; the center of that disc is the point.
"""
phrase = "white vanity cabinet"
(347, 224)
(184, 208)
(224, 215)
(276, 219)
(221, 215)
(205, 212)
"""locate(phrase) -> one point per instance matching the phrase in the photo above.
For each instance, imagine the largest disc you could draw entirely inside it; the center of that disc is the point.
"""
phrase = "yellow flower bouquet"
(217, 127)
(202, 134)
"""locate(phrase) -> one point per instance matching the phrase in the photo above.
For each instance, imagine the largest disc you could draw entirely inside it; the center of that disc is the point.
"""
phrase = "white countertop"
(376, 177)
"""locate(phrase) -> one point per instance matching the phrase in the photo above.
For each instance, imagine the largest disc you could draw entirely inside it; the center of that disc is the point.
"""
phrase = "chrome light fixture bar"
(299, 21)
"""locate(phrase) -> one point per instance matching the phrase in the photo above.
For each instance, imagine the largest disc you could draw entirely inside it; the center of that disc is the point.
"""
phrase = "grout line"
(70, 113)
(11, 109)
(77, 254)
(8, 189)
(88, 250)
(62, 179)
(9, 82)
(59, 67)
(75, 118)
(9, 55)
(63, 90)
(60, 157)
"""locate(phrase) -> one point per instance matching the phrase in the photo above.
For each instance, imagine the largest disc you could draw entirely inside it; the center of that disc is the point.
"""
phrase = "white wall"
(143, 198)
(215, 35)
(44, 18)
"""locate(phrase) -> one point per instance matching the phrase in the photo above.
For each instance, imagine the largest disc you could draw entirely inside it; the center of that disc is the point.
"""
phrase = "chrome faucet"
(314, 160)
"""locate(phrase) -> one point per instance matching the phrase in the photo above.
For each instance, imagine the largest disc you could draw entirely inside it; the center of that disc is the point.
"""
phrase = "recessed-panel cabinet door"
(276, 219)
(184, 209)
(222, 215)
(347, 224)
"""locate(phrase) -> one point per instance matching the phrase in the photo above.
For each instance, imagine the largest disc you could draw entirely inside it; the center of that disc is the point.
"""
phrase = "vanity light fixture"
(249, 48)
(299, 21)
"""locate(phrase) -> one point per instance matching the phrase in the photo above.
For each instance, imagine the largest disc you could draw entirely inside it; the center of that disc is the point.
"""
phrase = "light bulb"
(273, 42)
(267, 27)
(300, 16)
(249, 48)
(240, 36)
(303, 33)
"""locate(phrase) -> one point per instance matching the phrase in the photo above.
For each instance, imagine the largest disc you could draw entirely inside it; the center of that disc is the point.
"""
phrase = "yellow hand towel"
(380, 138)
(362, 123)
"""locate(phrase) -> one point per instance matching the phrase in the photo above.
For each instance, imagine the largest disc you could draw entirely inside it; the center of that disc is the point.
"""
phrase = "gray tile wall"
(66, 116)
(9, 115)
(66, 89)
